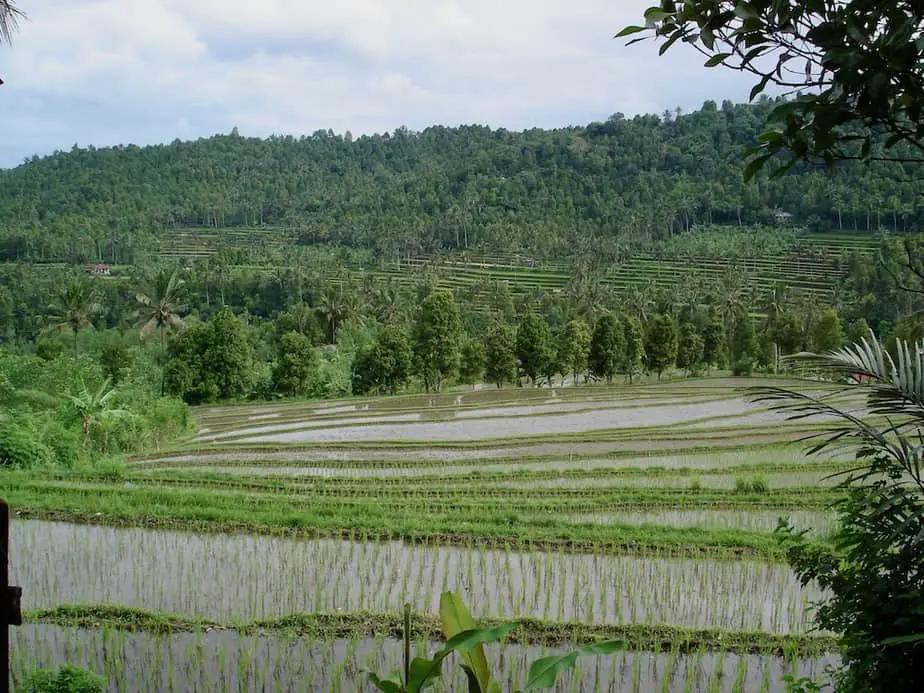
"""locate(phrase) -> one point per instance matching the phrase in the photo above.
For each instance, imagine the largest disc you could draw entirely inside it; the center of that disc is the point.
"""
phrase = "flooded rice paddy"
(646, 449)
(245, 578)
(452, 429)
(205, 662)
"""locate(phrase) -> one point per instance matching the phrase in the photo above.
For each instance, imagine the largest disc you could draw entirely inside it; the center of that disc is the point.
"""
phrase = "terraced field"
(274, 549)
(813, 263)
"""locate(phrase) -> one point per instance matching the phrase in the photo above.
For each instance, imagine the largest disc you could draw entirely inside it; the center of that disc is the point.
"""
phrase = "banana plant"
(468, 641)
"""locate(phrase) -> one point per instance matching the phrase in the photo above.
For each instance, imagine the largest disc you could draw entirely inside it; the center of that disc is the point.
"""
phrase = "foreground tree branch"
(855, 69)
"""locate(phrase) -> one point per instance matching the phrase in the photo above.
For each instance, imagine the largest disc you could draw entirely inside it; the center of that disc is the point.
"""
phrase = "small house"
(99, 269)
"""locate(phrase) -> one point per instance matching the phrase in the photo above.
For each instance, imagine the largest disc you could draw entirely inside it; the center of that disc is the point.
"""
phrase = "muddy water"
(224, 661)
(244, 578)
(517, 426)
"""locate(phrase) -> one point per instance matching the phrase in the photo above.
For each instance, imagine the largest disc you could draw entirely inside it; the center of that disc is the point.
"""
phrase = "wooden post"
(10, 614)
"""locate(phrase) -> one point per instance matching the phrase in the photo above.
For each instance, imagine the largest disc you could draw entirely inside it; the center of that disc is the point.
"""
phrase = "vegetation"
(855, 67)
(873, 571)
(464, 638)
(68, 679)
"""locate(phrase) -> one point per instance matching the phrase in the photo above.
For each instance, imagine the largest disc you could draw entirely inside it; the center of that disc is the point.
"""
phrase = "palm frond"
(9, 20)
(897, 386)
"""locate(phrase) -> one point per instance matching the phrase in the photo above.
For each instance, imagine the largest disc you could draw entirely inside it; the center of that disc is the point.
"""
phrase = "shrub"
(63, 443)
(20, 447)
(67, 679)
(743, 366)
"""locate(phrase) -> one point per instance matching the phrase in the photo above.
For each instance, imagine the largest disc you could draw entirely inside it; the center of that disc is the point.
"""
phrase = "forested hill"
(441, 188)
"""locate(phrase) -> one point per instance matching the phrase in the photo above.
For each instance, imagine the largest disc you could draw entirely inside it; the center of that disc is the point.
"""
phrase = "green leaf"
(744, 10)
(467, 639)
(656, 14)
(603, 648)
(629, 30)
(456, 619)
(424, 671)
(754, 165)
(716, 59)
(544, 672)
(384, 685)
(473, 685)
(759, 87)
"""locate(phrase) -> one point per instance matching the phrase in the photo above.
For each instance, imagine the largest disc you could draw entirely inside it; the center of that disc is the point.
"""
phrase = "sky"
(105, 72)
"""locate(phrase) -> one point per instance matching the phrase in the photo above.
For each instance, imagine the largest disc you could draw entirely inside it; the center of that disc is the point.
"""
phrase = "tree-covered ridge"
(442, 188)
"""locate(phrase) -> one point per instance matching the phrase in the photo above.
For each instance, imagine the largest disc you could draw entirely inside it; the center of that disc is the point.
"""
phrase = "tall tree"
(334, 307)
(295, 372)
(471, 362)
(500, 362)
(714, 342)
(210, 361)
(161, 308)
(573, 348)
(689, 348)
(437, 336)
(743, 345)
(74, 308)
(660, 344)
(385, 366)
(534, 346)
(607, 348)
(633, 338)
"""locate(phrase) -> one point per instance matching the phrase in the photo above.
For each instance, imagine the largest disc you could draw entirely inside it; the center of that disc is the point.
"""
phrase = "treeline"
(215, 360)
(415, 193)
(424, 343)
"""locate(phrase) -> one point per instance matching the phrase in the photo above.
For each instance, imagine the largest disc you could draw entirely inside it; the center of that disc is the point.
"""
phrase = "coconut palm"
(74, 308)
(333, 307)
(160, 308)
(873, 570)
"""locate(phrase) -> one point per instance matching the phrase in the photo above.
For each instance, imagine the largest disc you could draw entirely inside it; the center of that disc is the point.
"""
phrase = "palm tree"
(333, 307)
(872, 568)
(160, 308)
(74, 308)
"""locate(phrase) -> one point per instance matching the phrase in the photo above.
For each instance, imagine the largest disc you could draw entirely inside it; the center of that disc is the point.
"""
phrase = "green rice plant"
(68, 679)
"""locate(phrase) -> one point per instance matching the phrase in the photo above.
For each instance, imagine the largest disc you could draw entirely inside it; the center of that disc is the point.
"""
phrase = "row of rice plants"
(244, 578)
(224, 660)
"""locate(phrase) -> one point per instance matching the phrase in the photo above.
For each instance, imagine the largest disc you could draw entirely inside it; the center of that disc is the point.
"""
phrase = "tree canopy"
(854, 70)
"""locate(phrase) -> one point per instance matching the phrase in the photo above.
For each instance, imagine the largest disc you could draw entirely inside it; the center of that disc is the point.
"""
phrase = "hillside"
(411, 194)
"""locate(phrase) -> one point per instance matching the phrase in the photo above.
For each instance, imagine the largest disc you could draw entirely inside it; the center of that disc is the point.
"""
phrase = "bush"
(63, 443)
(743, 366)
(67, 679)
(20, 447)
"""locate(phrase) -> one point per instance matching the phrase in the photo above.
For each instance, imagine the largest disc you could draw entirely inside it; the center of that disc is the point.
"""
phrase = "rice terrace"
(604, 385)
(277, 546)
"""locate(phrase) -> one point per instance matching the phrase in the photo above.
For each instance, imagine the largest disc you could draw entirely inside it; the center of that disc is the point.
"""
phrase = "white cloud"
(103, 71)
